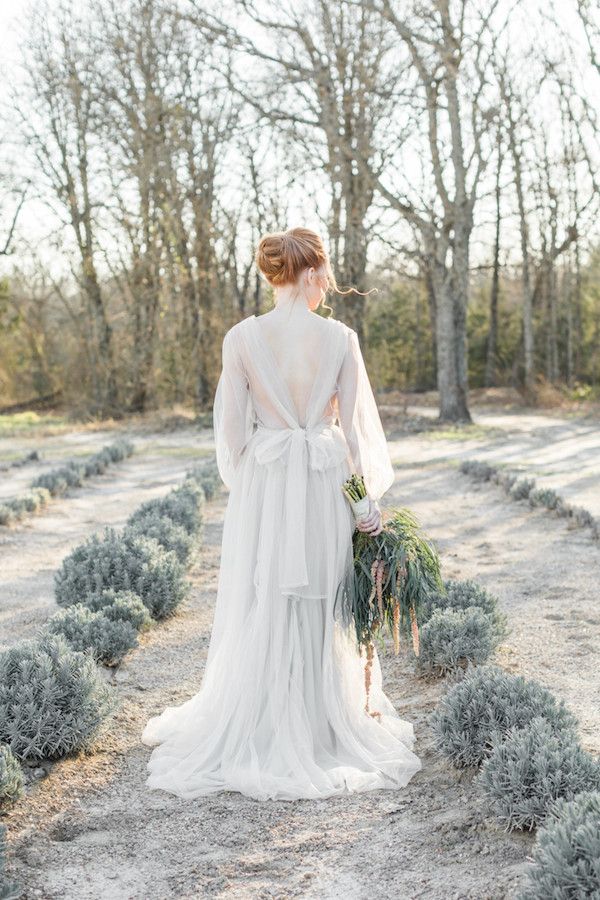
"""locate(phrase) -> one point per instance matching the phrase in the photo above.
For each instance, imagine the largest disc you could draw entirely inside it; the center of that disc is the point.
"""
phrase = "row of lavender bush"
(520, 488)
(533, 772)
(58, 481)
(53, 699)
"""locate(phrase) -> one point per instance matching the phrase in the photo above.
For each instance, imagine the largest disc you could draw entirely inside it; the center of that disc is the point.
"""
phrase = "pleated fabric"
(280, 711)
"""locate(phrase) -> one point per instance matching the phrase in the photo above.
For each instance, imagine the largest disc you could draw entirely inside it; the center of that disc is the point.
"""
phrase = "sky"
(12, 15)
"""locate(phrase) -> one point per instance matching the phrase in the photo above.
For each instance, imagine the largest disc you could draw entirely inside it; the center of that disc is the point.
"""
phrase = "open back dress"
(280, 712)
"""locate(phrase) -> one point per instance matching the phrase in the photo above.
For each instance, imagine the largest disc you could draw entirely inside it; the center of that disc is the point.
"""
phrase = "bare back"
(292, 362)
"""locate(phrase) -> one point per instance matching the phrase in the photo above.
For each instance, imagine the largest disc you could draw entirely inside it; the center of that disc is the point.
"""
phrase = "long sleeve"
(232, 411)
(360, 421)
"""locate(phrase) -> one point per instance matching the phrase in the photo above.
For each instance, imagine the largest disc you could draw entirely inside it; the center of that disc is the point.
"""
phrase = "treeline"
(400, 343)
(448, 152)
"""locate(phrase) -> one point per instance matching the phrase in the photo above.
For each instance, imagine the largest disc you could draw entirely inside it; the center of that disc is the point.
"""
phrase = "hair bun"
(282, 255)
(271, 256)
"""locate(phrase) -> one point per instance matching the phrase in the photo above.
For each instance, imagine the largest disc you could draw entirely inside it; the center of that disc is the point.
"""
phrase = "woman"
(281, 710)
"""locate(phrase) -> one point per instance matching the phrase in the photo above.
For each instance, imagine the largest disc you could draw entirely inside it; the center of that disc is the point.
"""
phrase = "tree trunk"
(491, 362)
(450, 337)
(528, 375)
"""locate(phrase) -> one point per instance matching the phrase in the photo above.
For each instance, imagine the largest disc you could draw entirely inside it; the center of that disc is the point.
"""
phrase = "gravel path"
(559, 452)
(91, 829)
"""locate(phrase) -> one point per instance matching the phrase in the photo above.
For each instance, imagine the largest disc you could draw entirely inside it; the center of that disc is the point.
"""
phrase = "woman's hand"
(371, 524)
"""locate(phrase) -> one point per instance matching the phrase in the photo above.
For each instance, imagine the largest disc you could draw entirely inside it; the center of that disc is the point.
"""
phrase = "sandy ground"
(562, 453)
(91, 829)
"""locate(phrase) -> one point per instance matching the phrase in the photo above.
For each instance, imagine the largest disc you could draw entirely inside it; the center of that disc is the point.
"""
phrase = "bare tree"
(491, 362)
(590, 18)
(514, 117)
(165, 124)
(16, 199)
(62, 137)
(449, 48)
(328, 85)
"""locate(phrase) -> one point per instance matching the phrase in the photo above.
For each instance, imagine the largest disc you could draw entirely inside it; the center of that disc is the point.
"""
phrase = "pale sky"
(36, 220)
(12, 15)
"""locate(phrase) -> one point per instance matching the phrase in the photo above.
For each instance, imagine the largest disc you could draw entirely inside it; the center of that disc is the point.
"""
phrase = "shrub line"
(53, 700)
(520, 488)
(57, 481)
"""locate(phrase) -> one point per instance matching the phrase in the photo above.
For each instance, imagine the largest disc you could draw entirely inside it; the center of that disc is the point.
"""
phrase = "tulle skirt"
(280, 712)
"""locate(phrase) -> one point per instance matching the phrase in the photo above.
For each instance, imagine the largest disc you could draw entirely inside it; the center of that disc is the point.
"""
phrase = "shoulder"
(239, 326)
(349, 341)
(237, 329)
(343, 330)
(233, 346)
(336, 323)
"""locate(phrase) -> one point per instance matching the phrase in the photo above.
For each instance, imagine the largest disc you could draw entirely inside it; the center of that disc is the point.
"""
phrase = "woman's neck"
(291, 304)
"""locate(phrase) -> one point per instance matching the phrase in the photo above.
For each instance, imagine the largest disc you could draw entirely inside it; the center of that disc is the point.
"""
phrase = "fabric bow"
(300, 448)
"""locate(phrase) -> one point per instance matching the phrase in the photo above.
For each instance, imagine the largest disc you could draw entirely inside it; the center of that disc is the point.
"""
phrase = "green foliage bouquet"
(392, 575)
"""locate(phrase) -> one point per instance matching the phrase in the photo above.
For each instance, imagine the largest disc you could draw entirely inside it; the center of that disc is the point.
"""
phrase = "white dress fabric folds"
(280, 713)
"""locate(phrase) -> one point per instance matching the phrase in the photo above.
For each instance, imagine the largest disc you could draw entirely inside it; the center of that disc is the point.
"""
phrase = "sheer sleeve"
(360, 421)
(232, 410)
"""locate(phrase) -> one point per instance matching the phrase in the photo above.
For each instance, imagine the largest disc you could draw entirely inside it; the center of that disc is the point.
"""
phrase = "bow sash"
(300, 448)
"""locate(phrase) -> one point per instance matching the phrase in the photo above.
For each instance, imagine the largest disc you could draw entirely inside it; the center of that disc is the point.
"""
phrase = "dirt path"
(102, 834)
(562, 452)
(93, 830)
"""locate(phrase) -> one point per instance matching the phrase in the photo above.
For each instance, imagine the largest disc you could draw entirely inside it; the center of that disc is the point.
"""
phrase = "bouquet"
(356, 492)
(392, 574)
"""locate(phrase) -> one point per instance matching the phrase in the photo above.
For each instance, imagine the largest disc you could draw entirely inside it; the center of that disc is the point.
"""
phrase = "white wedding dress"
(281, 709)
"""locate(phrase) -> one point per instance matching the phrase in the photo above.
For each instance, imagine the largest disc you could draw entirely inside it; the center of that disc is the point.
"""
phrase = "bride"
(280, 713)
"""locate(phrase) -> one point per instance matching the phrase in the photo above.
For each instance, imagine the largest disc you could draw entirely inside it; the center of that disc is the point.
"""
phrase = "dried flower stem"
(415, 630)
(379, 583)
(374, 567)
(368, 667)
(396, 613)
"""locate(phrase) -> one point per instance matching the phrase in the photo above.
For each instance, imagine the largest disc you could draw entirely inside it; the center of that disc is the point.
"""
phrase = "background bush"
(480, 471)
(59, 480)
(106, 639)
(505, 479)
(168, 534)
(208, 477)
(522, 488)
(477, 712)
(99, 462)
(463, 594)
(11, 776)
(530, 768)
(183, 505)
(122, 562)
(52, 699)
(457, 594)
(566, 855)
(462, 623)
(452, 637)
(120, 606)
(544, 497)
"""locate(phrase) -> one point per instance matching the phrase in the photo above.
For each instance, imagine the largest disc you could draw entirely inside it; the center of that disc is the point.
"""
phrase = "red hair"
(283, 255)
